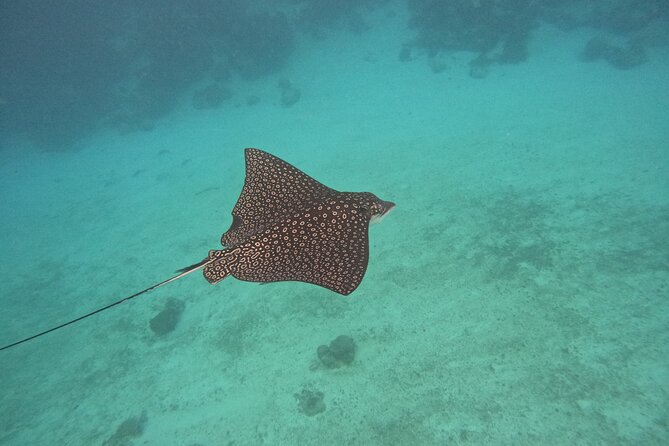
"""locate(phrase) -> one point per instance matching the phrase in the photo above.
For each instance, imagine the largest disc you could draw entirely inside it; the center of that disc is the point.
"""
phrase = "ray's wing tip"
(348, 291)
(345, 290)
(253, 153)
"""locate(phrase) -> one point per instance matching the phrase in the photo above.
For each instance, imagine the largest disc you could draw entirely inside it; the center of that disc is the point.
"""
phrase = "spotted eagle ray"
(286, 226)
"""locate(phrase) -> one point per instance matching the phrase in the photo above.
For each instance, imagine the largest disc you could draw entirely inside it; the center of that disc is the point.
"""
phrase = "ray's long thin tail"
(182, 272)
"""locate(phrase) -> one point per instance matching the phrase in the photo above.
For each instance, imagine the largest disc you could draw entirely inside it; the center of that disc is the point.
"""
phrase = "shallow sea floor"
(517, 295)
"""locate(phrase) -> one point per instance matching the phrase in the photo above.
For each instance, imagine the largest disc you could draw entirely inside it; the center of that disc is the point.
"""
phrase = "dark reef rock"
(167, 320)
(343, 349)
(497, 31)
(211, 96)
(289, 94)
(629, 56)
(310, 402)
(340, 352)
(326, 357)
(132, 427)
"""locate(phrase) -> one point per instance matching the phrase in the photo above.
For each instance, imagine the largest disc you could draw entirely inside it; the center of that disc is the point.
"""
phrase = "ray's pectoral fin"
(220, 264)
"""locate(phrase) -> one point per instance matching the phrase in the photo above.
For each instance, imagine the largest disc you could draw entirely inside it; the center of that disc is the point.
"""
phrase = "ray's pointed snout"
(380, 209)
(387, 206)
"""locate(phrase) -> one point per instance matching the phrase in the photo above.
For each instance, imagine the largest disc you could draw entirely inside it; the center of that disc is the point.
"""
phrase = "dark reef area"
(622, 57)
(167, 319)
(131, 428)
(68, 69)
(499, 32)
(341, 351)
(310, 402)
(77, 66)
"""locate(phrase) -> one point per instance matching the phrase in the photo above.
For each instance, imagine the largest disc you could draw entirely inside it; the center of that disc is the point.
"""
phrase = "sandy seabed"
(517, 295)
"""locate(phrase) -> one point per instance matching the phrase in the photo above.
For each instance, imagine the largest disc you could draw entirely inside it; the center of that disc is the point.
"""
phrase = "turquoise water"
(516, 295)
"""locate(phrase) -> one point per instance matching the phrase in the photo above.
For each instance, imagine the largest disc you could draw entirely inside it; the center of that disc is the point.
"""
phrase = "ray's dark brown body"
(288, 226)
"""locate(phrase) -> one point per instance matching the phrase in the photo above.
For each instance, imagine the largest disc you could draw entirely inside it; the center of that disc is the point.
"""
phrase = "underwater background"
(517, 295)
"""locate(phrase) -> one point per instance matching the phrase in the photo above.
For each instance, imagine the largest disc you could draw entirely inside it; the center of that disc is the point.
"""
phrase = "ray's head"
(371, 206)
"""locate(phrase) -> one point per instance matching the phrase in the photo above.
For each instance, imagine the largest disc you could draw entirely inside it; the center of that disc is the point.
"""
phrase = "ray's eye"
(362, 210)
